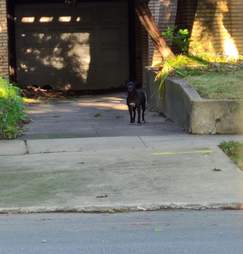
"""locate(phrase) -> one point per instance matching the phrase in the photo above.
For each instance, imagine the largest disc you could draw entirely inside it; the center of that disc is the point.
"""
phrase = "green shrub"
(178, 37)
(12, 112)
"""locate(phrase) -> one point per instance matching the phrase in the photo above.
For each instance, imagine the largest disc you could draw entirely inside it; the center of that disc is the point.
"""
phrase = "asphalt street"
(168, 232)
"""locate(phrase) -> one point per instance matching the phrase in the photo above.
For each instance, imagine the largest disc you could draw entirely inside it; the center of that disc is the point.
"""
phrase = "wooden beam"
(147, 20)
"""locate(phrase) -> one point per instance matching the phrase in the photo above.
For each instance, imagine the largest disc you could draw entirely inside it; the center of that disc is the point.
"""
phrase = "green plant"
(234, 150)
(230, 148)
(12, 113)
(180, 65)
(178, 37)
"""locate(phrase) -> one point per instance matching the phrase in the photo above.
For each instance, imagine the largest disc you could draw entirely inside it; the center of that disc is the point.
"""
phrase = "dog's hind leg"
(139, 114)
(143, 112)
(143, 119)
(143, 105)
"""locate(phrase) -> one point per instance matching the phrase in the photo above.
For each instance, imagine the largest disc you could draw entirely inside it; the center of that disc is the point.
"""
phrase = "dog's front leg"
(134, 114)
(131, 114)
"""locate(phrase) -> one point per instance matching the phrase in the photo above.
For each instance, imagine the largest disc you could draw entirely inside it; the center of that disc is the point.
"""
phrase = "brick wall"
(217, 28)
(186, 13)
(164, 13)
(236, 14)
(4, 71)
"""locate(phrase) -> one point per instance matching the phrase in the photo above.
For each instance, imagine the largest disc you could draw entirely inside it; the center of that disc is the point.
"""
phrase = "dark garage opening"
(86, 45)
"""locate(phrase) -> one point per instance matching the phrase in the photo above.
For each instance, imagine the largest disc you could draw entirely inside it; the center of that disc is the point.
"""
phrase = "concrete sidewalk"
(118, 174)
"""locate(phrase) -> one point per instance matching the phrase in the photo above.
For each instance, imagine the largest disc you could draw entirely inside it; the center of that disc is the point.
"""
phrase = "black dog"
(136, 100)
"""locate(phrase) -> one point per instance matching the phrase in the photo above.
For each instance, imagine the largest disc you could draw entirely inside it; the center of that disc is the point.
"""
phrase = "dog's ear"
(131, 83)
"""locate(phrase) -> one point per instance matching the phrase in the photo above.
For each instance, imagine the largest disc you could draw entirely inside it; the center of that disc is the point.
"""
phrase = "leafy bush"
(11, 110)
(178, 37)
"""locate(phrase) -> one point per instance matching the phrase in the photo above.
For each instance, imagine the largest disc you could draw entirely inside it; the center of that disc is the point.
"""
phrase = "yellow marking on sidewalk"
(205, 152)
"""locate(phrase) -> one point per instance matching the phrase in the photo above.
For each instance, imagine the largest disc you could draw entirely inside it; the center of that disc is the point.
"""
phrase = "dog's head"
(131, 87)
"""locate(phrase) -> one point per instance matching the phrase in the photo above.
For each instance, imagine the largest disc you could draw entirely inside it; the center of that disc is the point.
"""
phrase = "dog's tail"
(146, 97)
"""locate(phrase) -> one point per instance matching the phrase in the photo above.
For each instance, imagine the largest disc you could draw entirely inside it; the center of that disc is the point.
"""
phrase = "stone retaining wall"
(183, 105)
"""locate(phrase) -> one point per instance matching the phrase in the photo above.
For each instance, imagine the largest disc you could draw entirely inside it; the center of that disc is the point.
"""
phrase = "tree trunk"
(147, 20)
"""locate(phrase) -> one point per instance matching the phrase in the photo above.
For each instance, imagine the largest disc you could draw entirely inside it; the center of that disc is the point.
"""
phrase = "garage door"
(81, 47)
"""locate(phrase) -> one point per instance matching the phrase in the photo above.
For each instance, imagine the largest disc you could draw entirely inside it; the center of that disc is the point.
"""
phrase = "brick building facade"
(164, 12)
(215, 28)
(4, 63)
(218, 27)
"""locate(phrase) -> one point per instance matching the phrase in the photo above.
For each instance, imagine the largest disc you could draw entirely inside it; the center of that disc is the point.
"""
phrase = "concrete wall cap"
(187, 88)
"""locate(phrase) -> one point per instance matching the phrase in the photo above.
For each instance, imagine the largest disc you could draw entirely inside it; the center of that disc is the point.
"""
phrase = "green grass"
(213, 78)
(234, 150)
(11, 110)
(221, 84)
(182, 66)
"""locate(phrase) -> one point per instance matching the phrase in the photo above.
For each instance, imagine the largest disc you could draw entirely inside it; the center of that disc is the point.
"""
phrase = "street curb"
(73, 145)
(67, 145)
(123, 209)
(13, 147)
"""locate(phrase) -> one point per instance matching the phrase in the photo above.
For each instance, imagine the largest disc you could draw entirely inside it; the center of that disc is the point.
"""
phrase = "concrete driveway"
(91, 116)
